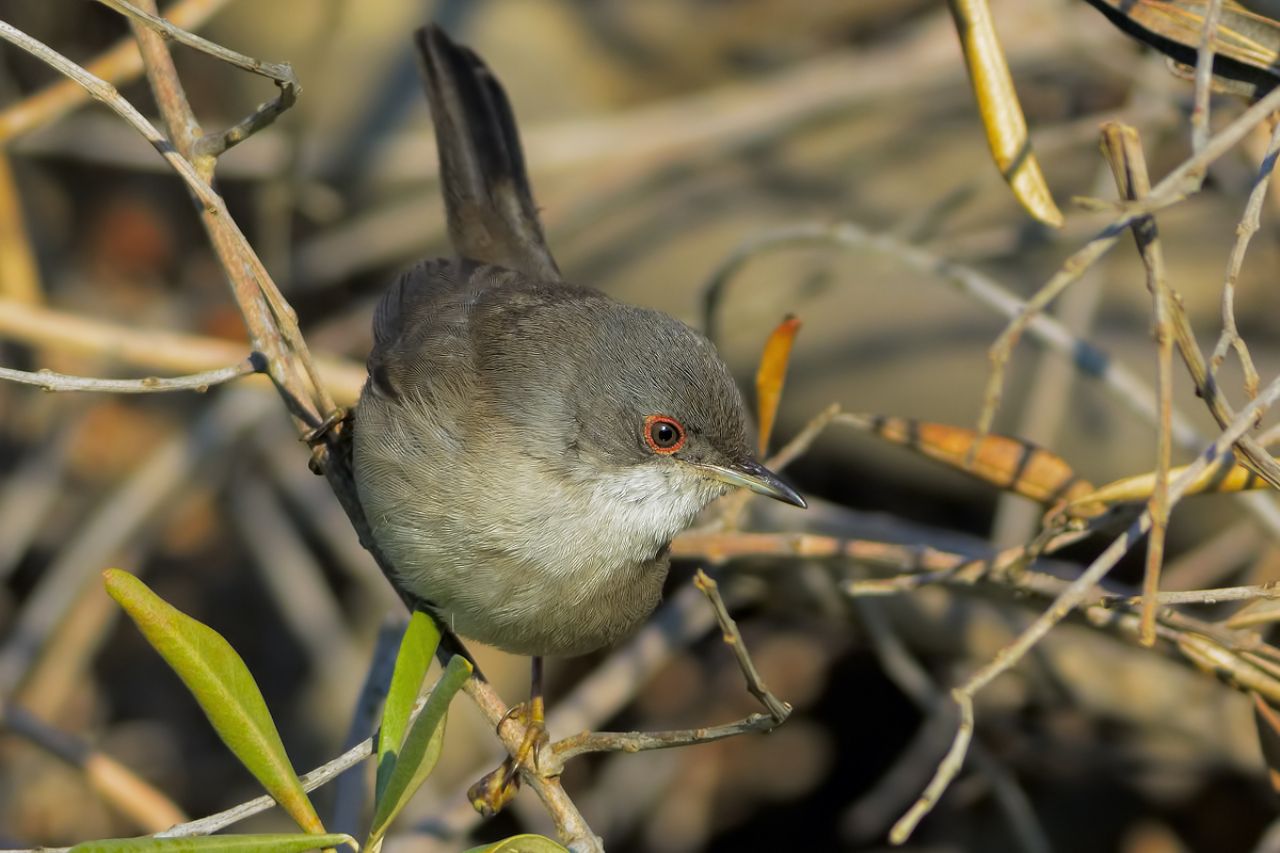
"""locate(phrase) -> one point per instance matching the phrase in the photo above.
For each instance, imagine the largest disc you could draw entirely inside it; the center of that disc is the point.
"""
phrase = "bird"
(525, 449)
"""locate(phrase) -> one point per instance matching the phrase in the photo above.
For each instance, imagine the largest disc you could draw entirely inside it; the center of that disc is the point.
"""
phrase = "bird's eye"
(663, 434)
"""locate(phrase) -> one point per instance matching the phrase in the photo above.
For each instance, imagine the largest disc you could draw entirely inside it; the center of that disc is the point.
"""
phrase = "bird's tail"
(492, 217)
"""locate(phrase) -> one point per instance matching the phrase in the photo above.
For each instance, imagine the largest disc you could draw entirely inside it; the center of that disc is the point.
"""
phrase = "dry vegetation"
(730, 163)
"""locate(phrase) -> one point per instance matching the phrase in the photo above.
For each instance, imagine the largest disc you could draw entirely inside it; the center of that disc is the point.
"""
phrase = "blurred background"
(660, 137)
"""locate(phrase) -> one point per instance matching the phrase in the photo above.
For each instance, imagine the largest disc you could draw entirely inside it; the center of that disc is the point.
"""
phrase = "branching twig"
(1124, 384)
(235, 814)
(1075, 593)
(803, 440)
(778, 709)
(912, 679)
(587, 742)
(1177, 185)
(203, 149)
(1250, 222)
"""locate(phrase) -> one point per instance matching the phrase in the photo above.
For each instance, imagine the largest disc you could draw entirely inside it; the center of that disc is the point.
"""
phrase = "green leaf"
(416, 650)
(221, 683)
(278, 843)
(421, 748)
(521, 844)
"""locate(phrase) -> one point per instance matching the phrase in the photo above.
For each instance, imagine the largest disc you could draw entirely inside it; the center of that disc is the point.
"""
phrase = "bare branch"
(50, 381)
(153, 349)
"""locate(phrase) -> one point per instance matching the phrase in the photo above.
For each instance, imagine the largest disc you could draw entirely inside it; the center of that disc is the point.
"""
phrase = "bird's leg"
(495, 790)
(535, 732)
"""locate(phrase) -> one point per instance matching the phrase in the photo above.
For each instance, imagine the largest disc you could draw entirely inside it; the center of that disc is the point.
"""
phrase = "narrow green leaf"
(416, 650)
(521, 844)
(221, 683)
(421, 748)
(277, 843)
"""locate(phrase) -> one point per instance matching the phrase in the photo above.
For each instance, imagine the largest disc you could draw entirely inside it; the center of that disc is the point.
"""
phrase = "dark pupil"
(664, 435)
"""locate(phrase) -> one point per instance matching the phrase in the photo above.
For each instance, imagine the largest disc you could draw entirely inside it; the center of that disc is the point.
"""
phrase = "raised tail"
(492, 217)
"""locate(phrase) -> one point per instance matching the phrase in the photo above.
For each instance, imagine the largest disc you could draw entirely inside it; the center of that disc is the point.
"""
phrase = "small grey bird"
(525, 449)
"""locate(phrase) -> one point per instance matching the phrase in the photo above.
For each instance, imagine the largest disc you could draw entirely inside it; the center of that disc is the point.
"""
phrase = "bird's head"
(659, 407)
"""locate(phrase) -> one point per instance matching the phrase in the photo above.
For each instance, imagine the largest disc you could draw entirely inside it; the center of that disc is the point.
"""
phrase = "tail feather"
(492, 217)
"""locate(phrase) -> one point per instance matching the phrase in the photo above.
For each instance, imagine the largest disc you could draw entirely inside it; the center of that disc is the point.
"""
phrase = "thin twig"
(201, 148)
(50, 381)
(911, 678)
(778, 709)
(235, 814)
(280, 72)
(588, 742)
(803, 440)
(1262, 591)
(1204, 76)
(1125, 385)
(102, 91)
(1250, 222)
(152, 349)
(1123, 151)
(1177, 185)
(559, 753)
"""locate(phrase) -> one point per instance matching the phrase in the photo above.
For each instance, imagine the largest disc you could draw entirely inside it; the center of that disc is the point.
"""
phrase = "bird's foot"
(492, 793)
(333, 424)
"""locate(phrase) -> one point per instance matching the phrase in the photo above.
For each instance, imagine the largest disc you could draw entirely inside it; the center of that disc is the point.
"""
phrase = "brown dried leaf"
(772, 373)
(1009, 463)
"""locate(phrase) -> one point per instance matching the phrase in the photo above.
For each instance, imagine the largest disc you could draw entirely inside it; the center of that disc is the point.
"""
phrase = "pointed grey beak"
(757, 478)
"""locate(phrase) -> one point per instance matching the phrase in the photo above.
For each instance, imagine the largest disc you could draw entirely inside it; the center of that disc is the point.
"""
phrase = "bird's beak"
(757, 478)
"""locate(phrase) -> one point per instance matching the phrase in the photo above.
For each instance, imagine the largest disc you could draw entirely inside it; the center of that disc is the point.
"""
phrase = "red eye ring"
(663, 434)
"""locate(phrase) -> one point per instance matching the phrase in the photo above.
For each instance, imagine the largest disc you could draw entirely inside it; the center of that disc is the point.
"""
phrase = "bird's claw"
(492, 793)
